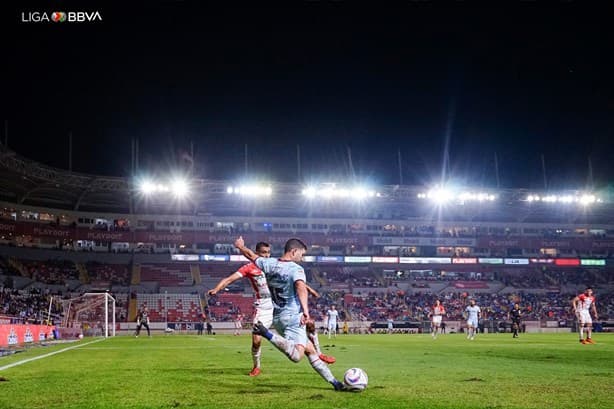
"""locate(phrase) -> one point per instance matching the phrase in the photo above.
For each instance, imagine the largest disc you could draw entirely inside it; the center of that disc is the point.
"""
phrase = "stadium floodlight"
(584, 199)
(310, 192)
(180, 188)
(331, 191)
(250, 190)
(147, 187)
(440, 195)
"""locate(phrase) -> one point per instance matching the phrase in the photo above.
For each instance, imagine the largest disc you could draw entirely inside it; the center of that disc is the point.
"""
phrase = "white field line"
(25, 361)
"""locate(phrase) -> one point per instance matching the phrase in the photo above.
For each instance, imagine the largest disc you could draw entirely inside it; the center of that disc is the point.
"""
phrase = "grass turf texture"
(405, 371)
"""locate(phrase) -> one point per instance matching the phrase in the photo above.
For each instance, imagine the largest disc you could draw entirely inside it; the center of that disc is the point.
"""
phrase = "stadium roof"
(26, 182)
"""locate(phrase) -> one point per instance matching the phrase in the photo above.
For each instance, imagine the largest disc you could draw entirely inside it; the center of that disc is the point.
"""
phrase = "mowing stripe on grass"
(25, 361)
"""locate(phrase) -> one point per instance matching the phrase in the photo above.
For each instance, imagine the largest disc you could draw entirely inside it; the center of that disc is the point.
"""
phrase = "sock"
(588, 333)
(268, 335)
(287, 347)
(256, 357)
(581, 332)
(320, 367)
(315, 341)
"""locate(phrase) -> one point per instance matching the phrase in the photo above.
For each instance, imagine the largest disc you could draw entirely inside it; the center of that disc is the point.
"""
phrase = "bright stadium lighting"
(147, 187)
(310, 192)
(440, 195)
(443, 196)
(331, 191)
(583, 199)
(180, 188)
(587, 199)
(250, 190)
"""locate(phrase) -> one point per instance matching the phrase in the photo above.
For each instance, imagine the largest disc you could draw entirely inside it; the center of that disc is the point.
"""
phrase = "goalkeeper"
(142, 320)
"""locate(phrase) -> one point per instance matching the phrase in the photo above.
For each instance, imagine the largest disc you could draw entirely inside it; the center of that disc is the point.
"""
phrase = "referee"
(515, 315)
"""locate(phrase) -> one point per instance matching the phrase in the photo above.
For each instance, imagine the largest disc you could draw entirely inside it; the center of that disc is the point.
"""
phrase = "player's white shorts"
(289, 327)
(437, 320)
(585, 317)
(472, 323)
(264, 311)
(332, 326)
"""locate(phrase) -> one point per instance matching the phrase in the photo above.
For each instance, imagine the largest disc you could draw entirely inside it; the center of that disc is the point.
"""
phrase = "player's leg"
(147, 327)
(138, 330)
(256, 352)
(312, 335)
(581, 325)
(265, 316)
(320, 366)
(589, 328)
(287, 346)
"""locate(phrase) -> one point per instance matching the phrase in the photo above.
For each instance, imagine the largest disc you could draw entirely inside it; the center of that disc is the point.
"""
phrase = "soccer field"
(405, 371)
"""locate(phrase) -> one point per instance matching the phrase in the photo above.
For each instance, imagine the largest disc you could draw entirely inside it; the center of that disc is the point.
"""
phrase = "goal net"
(91, 313)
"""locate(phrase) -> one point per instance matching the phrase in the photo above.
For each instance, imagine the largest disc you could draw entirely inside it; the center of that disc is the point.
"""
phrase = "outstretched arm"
(248, 253)
(312, 291)
(225, 283)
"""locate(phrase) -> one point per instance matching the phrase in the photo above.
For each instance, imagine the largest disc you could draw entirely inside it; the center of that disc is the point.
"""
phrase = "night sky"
(522, 80)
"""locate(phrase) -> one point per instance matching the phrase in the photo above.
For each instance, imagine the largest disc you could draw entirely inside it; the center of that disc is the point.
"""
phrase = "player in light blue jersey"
(473, 316)
(287, 284)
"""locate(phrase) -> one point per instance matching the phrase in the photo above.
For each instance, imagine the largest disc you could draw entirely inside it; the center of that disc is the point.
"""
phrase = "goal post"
(92, 313)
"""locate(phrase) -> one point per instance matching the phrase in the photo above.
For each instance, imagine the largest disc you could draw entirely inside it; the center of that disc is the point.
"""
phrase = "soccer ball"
(355, 379)
(80, 336)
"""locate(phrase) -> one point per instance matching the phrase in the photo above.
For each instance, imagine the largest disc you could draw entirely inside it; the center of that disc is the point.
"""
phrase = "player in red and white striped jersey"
(582, 306)
(263, 304)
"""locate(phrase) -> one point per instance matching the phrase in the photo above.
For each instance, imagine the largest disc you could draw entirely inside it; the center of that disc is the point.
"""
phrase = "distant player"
(436, 317)
(142, 320)
(515, 315)
(332, 315)
(582, 306)
(263, 304)
(238, 324)
(473, 317)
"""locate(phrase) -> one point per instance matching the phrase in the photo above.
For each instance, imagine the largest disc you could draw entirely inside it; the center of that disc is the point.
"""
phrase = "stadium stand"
(389, 257)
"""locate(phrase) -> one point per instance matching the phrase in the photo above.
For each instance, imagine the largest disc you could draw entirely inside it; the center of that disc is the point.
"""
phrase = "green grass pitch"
(405, 371)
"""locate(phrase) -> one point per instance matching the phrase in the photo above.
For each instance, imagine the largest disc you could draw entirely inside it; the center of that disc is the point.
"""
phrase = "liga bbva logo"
(60, 16)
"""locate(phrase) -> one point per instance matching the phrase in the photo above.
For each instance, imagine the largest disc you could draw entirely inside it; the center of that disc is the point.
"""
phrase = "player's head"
(516, 306)
(472, 301)
(263, 249)
(294, 249)
(332, 307)
(437, 302)
(588, 291)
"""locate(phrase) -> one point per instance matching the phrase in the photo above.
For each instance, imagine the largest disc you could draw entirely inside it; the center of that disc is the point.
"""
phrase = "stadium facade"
(47, 207)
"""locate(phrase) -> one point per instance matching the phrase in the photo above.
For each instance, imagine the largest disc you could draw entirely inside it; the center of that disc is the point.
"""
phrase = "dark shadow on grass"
(262, 389)
(474, 379)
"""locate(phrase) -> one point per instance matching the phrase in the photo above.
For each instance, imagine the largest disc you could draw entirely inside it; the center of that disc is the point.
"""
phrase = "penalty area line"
(25, 361)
